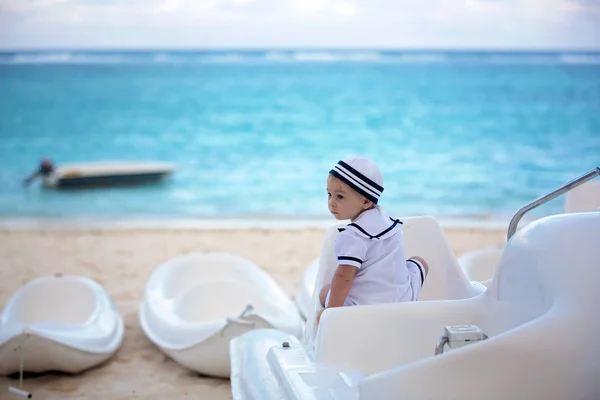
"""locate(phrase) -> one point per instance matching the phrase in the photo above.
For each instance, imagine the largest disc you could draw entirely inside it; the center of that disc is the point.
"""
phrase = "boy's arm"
(350, 250)
(340, 285)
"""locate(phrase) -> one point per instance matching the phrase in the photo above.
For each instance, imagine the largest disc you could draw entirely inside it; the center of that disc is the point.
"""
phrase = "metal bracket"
(456, 336)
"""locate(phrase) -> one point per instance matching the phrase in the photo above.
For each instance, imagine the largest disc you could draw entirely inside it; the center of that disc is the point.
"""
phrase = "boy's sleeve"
(350, 249)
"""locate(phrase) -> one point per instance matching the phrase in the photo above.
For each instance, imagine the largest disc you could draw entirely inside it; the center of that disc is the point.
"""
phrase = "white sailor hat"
(362, 175)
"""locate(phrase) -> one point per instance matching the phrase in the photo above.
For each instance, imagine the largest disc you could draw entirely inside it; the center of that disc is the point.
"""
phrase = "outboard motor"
(45, 169)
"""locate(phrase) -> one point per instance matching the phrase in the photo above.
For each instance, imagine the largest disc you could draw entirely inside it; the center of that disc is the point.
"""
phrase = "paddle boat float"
(99, 174)
(422, 236)
(533, 334)
(582, 195)
(196, 303)
(58, 322)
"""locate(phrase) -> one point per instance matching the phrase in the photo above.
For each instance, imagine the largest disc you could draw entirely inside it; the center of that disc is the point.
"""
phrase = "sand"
(122, 260)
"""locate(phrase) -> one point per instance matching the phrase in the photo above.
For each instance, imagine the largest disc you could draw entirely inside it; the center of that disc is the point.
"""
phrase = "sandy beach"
(122, 259)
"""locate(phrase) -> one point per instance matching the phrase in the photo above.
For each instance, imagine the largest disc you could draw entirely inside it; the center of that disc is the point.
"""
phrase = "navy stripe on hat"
(357, 181)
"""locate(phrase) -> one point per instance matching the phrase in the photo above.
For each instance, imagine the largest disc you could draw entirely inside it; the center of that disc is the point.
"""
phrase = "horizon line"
(304, 48)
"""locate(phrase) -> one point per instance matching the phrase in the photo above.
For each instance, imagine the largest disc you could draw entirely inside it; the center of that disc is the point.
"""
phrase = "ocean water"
(254, 133)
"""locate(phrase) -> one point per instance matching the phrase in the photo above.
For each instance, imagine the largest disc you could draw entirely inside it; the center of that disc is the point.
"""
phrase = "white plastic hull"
(192, 305)
(209, 356)
(540, 314)
(60, 322)
(271, 365)
(41, 354)
(480, 265)
(251, 375)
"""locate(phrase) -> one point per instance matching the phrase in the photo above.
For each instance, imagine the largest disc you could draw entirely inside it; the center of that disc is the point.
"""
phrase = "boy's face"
(344, 202)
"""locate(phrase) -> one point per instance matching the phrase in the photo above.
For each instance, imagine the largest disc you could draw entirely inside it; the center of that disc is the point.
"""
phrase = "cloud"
(586, 3)
(264, 23)
(330, 8)
(19, 6)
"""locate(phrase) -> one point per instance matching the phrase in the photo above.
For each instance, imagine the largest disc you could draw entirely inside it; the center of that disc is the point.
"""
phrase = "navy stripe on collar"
(379, 235)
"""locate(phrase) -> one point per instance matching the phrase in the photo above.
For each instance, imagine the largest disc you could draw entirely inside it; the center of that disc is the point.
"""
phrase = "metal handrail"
(514, 222)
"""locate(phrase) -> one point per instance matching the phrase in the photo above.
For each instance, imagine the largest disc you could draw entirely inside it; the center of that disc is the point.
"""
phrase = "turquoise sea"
(254, 132)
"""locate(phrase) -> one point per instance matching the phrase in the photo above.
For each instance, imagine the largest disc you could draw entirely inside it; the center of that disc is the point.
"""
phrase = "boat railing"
(514, 222)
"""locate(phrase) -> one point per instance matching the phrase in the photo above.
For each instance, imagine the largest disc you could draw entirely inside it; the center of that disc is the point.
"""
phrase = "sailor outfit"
(373, 244)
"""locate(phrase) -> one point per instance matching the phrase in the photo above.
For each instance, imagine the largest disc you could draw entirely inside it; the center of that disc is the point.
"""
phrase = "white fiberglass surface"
(480, 265)
(55, 300)
(216, 300)
(181, 273)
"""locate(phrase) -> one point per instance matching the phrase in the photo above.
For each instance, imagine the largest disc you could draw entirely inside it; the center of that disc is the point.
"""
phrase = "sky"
(419, 24)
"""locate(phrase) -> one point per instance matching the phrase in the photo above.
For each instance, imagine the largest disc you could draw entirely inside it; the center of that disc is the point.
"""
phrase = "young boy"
(372, 266)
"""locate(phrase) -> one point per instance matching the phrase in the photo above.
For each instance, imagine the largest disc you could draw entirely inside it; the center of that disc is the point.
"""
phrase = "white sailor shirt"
(373, 244)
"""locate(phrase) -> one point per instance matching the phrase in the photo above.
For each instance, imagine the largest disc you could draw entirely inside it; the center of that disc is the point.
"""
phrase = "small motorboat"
(540, 314)
(196, 303)
(58, 322)
(582, 195)
(99, 174)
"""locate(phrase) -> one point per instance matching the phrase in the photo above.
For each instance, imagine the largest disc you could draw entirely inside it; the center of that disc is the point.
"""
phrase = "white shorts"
(417, 278)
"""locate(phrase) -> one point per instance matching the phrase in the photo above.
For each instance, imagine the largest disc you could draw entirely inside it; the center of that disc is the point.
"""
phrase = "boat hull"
(41, 354)
(106, 174)
(108, 181)
(539, 309)
(192, 304)
(58, 322)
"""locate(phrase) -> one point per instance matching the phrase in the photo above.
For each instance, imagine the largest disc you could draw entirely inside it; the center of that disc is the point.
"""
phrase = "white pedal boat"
(479, 265)
(58, 323)
(533, 335)
(423, 237)
(194, 304)
(100, 174)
